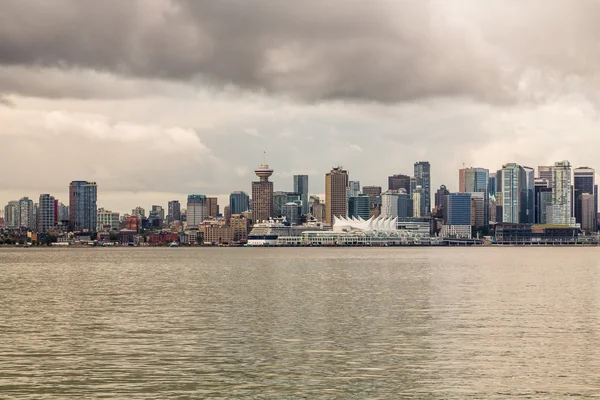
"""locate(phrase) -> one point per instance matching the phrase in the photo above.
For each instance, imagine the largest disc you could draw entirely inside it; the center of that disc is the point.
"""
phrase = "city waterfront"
(418, 322)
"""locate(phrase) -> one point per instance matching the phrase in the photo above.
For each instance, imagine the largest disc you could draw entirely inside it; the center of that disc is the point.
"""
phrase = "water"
(390, 323)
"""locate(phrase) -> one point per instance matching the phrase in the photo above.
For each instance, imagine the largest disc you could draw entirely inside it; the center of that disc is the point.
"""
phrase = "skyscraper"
(301, 186)
(545, 172)
(336, 182)
(359, 206)
(461, 180)
(457, 209)
(26, 213)
(423, 172)
(528, 197)
(588, 207)
(513, 183)
(262, 194)
(238, 202)
(291, 212)
(82, 206)
(561, 194)
(584, 182)
(397, 182)
(196, 210)
(12, 215)
(174, 211)
(439, 197)
(476, 180)
(46, 210)
(374, 192)
(212, 207)
(543, 199)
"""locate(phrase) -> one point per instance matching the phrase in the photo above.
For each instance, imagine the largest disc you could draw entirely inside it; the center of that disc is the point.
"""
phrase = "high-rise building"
(584, 182)
(301, 187)
(240, 225)
(476, 180)
(545, 172)
(439, 196)
(139, 212)
(107, 220)
(174, 211)
(336, 182)
(462, 188)
(159, 213)
(478, 209)
(82, 206)
(528, 196)
(457, 209)
(389, 203)
(374, 193)
(46, 217)
(317, 208)
(423, 172)
(418, 197)
(12, 215)
(212, 207)
(196, 210)
(238, 202)
(588, 207)
(279, 199)
(561, 195)
(291, 212)
(492, 186)
(397, 182)
(262, 194)
(26, 213)
(353, 189)
(499, 196)
(513, 185)
(543, 199)
(359, 206)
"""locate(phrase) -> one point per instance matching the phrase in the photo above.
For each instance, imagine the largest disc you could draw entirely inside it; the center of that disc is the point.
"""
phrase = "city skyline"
(149, 131)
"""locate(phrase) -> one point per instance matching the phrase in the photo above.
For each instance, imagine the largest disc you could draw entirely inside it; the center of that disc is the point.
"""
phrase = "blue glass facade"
(457, 209)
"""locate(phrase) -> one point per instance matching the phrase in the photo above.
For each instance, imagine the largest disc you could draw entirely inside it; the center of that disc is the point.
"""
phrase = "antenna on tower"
(264, 157)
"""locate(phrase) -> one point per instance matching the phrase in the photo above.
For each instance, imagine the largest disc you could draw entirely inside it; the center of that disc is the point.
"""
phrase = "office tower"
(513, 186)
(528, 197)
(584, 182)
(279, 199)
(359, 206)
(238, 202)
(478, 209)
(262, 194)
(461, 180)
(423, 172)
(353, 189)
(227, 213)
(139, 212)
(107, 220)
(543, 199)
(82, 206)
(588, 207)
(301, 186)
(317, 208)
(397, 182)
(196, 210)
(174, 211)
(545, 172)
(159, 213)
(499, 196)
(414, 182)
(476, 180)
(240, 226)
(212, 207)
(440, 195)
(336, 182)
(291, 212)
(561, 195)
(492, 185)
(457, 209)
(418, 198)
(26, 212)
(389, 203)
(374, 193)
(12, 215)
(46, 210)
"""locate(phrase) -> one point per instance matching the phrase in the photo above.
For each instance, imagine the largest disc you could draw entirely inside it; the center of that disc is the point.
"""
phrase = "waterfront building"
(513, 186)
(422, 171)
(545, 172)
(584, 182)
(238, 202)
(174, 211)
(46, 213)
(397, 182)
(212, 207)
(26, 214)
(543, 199)
(218, 234)
(301, 187)
(457, 209)
(107, 220)
(336, 182)
(535, 234)
(418, 198)
(561, 195)
(359, 206)
(12, 215)
(82, 206)
(196, 210)
(262, 194)
(291, 212)
(241, 227)
(456, 231)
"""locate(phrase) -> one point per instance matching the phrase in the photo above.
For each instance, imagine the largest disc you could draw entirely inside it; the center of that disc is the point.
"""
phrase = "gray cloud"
(381, 51)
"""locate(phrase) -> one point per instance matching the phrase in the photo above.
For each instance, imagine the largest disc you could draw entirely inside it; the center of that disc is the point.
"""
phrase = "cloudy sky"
(157, 99)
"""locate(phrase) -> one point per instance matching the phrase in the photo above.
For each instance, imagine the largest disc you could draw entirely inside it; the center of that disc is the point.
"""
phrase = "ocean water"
(300, 323)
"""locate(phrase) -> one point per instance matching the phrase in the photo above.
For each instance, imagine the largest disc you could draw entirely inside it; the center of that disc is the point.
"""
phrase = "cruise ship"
(266, 233)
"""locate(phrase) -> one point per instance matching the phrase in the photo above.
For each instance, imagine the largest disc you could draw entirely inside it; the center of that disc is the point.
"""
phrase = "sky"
(158, 99)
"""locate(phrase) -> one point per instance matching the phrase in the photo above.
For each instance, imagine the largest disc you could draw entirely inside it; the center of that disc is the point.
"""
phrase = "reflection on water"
(421, 323)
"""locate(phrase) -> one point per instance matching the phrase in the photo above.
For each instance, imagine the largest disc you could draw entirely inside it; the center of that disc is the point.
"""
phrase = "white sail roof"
(373, 224)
